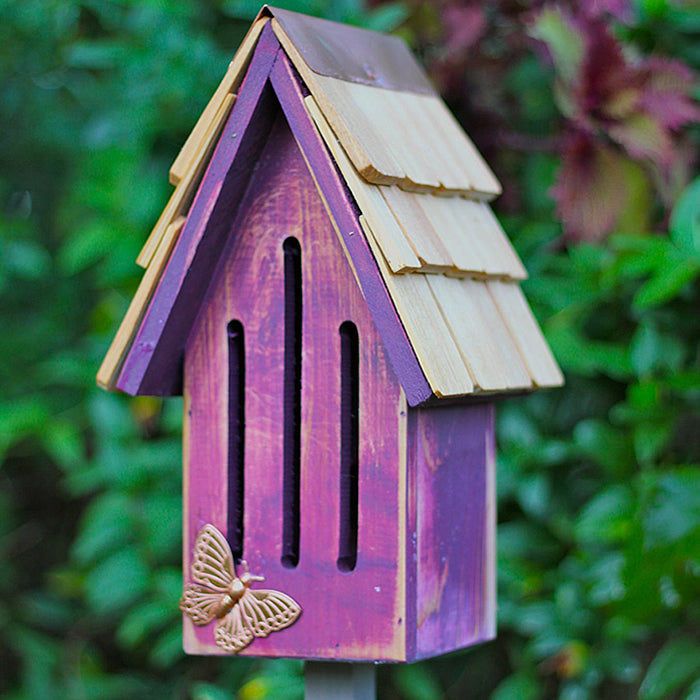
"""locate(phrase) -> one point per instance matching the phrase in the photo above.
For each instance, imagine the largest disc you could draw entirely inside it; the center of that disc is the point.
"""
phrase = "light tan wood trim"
(511, 361)
(417, 229)
(111, 365)
(447, 131)
(470, 330)
(454, 233)
(499, 246)
(425, 326)
(180, 201)
(526, 333)
(194, 146)
(396, 249)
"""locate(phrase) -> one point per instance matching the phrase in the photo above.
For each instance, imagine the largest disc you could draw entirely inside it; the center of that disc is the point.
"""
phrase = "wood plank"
(525, 331)
(516, 373)
(394, 137)
(381, 110)
(195, 145)
(446, 129)
(121, 344)
(430, 336)
(337, 105)
(500, 249)
(436, 151)
(181, 198)
(470, 330)
(452, 453)
(343, 214)
(417, 229)
(454, 233)
(395, 247)
(481, 235)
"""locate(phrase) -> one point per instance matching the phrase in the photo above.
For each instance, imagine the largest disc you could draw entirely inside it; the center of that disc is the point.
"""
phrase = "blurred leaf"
(108, 525)
(684, 225)
(677, 663)
(519, 686)
(674, 509)
(416, 682)
(563, 40)
(118, 581)
(607, 517)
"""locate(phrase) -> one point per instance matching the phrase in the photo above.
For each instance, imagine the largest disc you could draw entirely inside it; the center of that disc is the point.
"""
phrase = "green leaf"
(677, 663)
(207, 691)
(108, 525)
(565, 43)
(684, 225)
(417, 682)
(667, 284)
(606, 518)
(519, 686)
(118, 581)
(674, 510)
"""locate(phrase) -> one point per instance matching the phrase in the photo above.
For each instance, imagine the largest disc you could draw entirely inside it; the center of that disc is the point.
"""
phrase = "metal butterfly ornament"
(217, 592)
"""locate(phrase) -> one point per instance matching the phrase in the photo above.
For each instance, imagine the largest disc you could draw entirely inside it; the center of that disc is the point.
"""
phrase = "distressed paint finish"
(282, 200)
(153, 364)
(452, 454)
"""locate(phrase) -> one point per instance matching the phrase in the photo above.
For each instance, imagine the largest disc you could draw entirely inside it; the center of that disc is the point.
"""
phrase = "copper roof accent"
(352, 54)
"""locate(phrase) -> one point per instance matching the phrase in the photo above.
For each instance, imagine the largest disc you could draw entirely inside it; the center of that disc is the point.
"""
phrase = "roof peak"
(352, 54)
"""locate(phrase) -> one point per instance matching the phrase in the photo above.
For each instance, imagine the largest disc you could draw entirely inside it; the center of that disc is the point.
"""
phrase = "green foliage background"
(599, 483)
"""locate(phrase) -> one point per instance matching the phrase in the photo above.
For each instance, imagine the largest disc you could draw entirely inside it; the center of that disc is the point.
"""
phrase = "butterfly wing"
(231, 633)
(200, 603)
(212, 561)
(267, 611)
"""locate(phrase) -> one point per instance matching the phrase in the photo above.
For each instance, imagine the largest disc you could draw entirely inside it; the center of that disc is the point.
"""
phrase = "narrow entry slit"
(349, 445)
(292, 401)
(236, 436)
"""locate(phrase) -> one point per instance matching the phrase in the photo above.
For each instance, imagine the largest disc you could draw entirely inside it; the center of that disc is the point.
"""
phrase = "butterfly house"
(331, 294)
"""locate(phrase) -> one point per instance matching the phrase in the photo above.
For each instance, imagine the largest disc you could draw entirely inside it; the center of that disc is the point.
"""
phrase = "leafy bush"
(587, 116)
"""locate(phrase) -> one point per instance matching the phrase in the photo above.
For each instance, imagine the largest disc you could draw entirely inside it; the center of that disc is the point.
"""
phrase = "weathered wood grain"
(451, 449)
(282, 200)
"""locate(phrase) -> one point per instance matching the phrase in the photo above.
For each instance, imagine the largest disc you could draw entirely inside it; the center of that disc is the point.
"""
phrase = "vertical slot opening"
(236, 436)
(292, 402)
(349, 444)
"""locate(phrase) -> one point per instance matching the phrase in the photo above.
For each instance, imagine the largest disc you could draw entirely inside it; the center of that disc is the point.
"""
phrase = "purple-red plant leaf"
(590, 188)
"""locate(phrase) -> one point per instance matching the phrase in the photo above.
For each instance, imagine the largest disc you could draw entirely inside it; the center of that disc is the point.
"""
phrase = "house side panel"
(455, 500)
(346, 615)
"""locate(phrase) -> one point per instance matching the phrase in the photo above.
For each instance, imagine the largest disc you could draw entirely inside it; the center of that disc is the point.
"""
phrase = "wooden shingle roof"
(421, 189)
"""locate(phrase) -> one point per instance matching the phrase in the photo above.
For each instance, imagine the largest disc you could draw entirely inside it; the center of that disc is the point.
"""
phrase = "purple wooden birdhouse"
(333, 297)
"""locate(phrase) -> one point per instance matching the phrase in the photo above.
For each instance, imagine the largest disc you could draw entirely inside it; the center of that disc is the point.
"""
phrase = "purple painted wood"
(339, 201)
(451, 452)
(357, 615)
(153, 365)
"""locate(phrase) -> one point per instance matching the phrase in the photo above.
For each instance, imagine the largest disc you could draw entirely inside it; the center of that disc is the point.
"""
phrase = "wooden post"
(333, 680)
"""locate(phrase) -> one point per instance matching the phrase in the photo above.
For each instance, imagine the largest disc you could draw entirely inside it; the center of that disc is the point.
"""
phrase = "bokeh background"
(587, 113)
